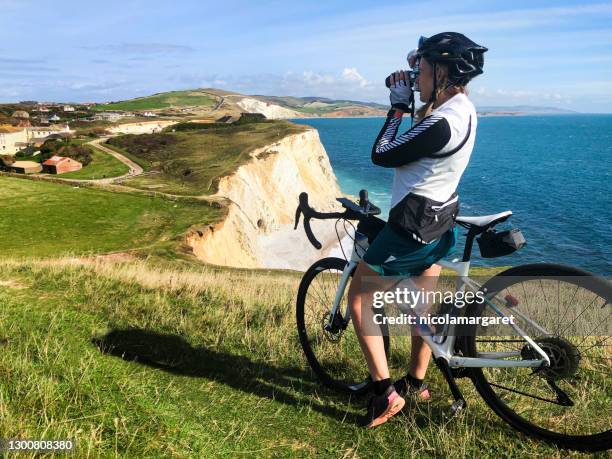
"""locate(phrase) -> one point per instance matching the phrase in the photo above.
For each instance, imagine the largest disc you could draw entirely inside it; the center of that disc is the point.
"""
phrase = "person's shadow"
(173, 354)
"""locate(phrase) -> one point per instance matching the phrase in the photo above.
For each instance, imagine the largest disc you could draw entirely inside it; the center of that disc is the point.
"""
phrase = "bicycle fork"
(339, 294)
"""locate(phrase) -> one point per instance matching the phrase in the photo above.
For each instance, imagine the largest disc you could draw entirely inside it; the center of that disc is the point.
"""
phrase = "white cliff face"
(143, 127)
(271, 111)
(258, 230)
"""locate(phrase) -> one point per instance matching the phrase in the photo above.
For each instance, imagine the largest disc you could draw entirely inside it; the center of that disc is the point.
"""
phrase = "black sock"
(381, 386)
(415, 383)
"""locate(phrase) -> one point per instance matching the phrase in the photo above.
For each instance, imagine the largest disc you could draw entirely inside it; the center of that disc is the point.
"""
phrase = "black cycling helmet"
(462, 56)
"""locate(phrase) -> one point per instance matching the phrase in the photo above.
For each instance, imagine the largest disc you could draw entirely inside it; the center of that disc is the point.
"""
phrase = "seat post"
(469, 243)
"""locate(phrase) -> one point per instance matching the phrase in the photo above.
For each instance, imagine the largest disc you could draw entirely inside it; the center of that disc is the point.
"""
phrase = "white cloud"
(351, 74)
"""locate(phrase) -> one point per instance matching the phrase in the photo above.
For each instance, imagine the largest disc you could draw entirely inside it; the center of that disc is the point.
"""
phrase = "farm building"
(26, 167)
(227, 119)
(61, 165)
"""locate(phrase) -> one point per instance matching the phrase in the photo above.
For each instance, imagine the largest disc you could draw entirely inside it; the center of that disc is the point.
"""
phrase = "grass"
(140, 359)
(47, 219)
(161, 101)
(102, 165)
(191, 163)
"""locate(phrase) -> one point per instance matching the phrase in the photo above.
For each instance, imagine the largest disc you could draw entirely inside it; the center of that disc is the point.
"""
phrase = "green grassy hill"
(163, 100)
(45, 219)
(191, 162)
(216, 102)
(141, 359)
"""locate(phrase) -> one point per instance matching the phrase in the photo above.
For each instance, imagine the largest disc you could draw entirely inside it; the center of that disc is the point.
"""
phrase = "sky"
(556, 54)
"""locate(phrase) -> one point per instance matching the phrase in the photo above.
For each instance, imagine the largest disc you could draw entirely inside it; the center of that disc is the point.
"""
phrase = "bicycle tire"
(593, 442)
(359, 386)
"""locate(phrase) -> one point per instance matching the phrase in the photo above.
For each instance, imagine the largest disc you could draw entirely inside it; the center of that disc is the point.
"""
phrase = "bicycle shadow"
(172, 354)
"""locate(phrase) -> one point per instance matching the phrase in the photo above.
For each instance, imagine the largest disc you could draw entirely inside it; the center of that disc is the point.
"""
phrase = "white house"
(109, 116)
(41, 132)
(68, 108)
(12, 139)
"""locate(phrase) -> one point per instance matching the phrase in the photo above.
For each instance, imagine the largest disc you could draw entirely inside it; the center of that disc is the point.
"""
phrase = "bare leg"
(373, 347)
(420, 352)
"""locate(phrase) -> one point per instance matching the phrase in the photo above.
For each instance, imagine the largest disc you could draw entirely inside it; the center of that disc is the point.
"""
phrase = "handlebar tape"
(307, 211)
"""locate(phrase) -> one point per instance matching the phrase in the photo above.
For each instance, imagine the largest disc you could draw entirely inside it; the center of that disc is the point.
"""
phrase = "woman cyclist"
(429, 160)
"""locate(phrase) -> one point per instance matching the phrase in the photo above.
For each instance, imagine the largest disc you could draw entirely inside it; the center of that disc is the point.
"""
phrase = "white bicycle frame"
(442, 346)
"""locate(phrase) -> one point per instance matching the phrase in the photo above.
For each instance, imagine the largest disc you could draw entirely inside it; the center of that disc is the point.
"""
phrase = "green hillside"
(43, 219)
(145, 360)
(162, 101)
(190, 162)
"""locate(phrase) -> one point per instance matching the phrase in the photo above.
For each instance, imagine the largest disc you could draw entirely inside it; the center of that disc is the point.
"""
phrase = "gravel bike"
(544, 378)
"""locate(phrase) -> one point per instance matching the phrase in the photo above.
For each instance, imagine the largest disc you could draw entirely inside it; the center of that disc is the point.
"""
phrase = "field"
(161, 101)
(141, 359)
(47, 219)
(102, 165)
(148, 353)
(190, 163)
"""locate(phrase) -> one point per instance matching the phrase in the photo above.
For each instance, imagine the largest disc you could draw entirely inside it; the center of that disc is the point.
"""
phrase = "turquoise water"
(553, 172)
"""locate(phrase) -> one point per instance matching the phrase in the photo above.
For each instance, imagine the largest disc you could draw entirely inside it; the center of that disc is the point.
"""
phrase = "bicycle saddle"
(485, 220)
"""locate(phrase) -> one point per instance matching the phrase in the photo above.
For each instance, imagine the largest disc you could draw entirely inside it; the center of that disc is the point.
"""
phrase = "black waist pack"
(493, 244)
(424, 219)
(371, 226)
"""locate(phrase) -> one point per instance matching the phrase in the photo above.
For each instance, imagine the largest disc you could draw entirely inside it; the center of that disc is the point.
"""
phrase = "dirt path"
(135, 169)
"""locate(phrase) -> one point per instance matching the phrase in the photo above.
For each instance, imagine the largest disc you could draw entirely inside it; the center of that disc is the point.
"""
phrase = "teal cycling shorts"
(392, 254)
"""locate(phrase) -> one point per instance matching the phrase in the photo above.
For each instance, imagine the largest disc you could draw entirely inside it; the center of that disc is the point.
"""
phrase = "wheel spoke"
(569, 396)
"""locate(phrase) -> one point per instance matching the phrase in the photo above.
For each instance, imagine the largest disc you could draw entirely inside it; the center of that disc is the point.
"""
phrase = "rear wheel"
(332, 350)
(568, 403)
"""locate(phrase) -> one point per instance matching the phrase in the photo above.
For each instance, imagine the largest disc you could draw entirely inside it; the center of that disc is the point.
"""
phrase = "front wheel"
(569, 402)
(331, 347)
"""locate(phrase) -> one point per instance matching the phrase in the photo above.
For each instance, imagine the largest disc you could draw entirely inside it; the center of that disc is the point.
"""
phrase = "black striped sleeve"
(425, 139)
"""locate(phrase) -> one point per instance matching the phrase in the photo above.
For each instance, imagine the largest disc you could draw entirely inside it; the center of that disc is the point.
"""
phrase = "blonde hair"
(442, 80)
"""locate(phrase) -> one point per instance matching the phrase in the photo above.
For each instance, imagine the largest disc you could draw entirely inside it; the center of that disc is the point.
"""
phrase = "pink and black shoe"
(404, 388)
(382, 407)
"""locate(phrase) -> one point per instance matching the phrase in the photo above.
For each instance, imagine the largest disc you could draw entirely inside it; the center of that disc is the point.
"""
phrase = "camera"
(413, 61)
(412, 76)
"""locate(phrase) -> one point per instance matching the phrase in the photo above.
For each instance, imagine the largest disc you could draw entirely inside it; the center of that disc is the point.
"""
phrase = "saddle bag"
(495, 244)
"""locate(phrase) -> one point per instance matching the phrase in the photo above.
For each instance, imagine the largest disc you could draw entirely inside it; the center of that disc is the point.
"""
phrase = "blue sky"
(541, 53)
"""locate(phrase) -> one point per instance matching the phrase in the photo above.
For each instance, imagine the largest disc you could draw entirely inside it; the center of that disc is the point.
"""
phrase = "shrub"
(181, 127)
(80, 153)
(6, 161)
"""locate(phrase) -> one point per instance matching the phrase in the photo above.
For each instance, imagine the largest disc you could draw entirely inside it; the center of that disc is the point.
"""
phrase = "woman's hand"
(401, 91)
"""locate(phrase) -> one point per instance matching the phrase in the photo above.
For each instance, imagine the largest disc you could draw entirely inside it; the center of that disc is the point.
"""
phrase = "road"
(135, 169)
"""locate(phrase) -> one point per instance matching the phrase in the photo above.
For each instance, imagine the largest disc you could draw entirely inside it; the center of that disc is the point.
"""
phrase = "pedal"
(456, 408)
(459, 404)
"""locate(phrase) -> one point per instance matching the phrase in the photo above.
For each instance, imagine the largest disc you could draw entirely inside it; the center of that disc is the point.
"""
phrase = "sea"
(553, 172)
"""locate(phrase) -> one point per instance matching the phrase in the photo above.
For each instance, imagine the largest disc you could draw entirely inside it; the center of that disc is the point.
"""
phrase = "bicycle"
(555, 376)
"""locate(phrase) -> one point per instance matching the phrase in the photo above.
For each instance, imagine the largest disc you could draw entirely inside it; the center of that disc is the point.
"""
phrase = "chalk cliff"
(263, 193)
(270, 111)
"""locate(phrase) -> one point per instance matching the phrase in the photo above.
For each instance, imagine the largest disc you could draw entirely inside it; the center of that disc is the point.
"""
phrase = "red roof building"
(61, 165)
